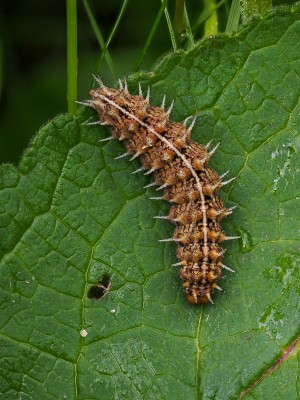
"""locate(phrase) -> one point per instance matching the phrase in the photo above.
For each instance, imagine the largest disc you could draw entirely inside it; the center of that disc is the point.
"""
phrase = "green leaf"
(70, 213)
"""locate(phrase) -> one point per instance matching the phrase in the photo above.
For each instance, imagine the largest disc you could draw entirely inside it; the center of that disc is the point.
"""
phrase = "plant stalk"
(211, 24)
(234, 16)
(72, 59)
(112, 33)
(99, 37)
(178, 21)
(151, 34)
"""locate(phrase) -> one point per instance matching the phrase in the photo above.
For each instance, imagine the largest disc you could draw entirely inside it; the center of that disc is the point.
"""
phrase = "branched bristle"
(149, 185)
(92, 123)
(214, 149)
(148, 94)
(228, 269)
(140, 90)
(106, 139)
(232, 237)
(162, 217)
(86, 103)
(225, 173)
(150, 171)
(125, 86)
(162, 186)
(156, 198)
(170, 108)
(193, 123)
(208, 144)
(122, 155)
(138, 170)
(209, 298)
(186, 120)
(99, 81)
(169, 240)
(229, 180)
(135, 156)
(231, 208)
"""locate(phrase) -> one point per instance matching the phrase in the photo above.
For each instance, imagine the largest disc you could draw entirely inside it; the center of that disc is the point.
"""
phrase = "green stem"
(188, 29)
(206, 14)
(233, 17)
(211, 23)
(254, 7)
(151, 34)
(72, 60)
(99, 37)
(121, 13)
(178, 21)
(170, 27)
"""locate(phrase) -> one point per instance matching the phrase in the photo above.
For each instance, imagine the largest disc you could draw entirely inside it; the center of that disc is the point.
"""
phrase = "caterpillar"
(180, 168)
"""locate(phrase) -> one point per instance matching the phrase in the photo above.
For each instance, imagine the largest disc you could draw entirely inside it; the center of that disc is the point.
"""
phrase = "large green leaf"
(70, 213)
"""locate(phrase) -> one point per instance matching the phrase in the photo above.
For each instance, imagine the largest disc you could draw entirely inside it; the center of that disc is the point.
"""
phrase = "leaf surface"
(71, 213)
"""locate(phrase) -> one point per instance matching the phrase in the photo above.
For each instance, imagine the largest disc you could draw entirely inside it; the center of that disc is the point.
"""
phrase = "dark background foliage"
(33, 59)
(33, 71)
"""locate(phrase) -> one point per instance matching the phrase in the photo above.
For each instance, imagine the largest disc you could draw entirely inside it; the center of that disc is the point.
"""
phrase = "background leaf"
(71, 213)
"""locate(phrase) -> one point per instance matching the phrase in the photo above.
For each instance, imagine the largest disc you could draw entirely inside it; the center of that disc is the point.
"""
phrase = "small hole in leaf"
(101, 289)
(96, 292)
(105, 281)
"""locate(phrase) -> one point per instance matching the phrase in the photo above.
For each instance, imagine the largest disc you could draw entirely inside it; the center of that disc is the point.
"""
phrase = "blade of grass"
(72, 60)
(188, 29)
(211, 23)
(114, 29)
(100, 38)
(151, 35)
(170, 27)
(234, 16)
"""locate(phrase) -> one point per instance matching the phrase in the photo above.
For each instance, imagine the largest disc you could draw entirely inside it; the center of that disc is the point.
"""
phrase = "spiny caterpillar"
(180, 169)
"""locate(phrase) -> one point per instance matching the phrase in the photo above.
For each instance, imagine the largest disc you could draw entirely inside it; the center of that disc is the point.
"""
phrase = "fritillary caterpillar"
(180, 169)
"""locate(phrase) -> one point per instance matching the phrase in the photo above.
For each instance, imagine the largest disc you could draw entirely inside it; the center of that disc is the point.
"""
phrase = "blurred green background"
(33, 67)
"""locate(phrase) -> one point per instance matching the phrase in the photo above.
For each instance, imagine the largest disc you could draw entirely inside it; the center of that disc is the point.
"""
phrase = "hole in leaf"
(101, 289)
(105, 281)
